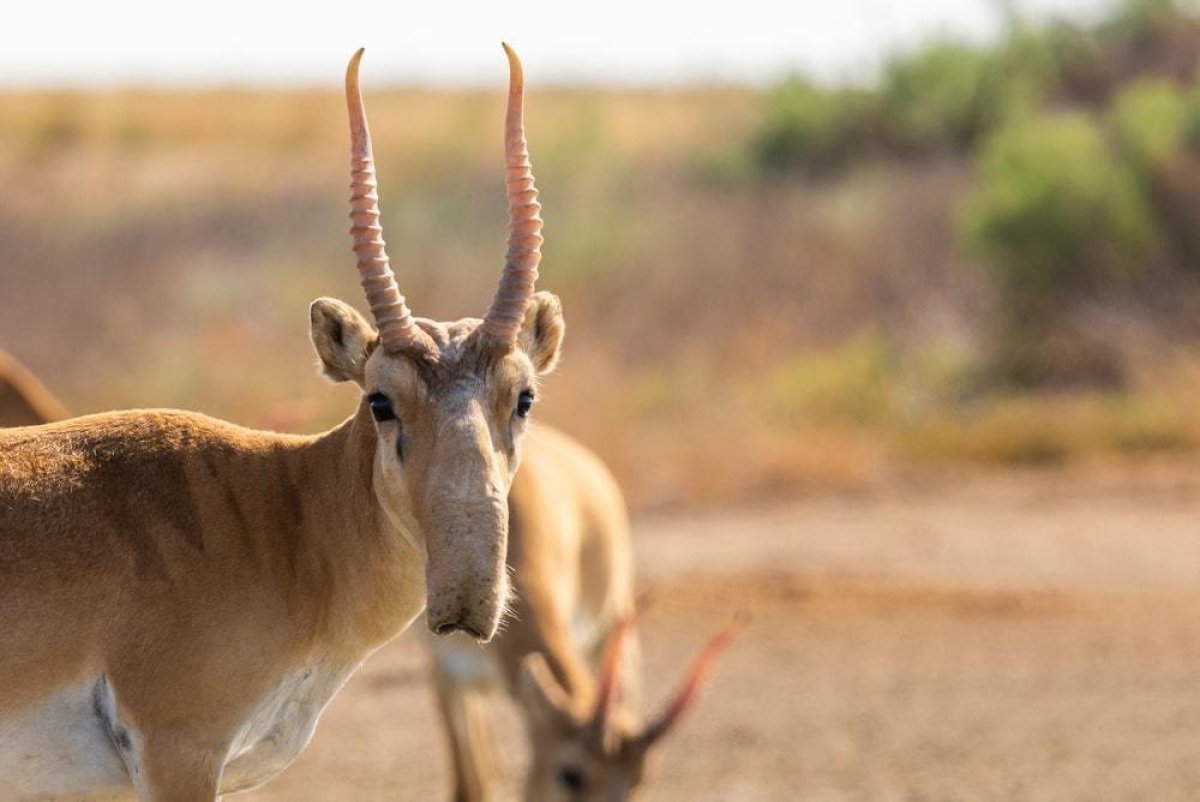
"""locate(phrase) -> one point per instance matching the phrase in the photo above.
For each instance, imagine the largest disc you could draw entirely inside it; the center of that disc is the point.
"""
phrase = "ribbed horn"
(504, 317)
(397, 331)
(689, 689)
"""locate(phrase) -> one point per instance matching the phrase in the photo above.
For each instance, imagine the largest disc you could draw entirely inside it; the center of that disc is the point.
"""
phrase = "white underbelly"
(282, 724)
(60, 749)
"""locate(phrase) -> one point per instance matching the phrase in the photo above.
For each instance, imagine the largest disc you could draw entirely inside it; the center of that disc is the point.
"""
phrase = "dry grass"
(729, 337)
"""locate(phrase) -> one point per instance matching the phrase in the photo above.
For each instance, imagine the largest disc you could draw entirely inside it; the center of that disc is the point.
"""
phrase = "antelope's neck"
(544, 633)
(365, 581)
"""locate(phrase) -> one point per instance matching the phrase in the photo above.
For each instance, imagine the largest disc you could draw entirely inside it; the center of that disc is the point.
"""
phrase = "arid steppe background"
(906, 368)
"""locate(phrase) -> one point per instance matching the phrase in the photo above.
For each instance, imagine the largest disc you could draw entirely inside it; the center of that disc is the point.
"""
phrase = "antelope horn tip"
(352, 68)
(515, 70)
(694, 679)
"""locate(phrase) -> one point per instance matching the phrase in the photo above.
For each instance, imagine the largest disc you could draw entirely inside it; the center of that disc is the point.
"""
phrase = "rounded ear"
(542, 331)
(541, 694)
(343, 339)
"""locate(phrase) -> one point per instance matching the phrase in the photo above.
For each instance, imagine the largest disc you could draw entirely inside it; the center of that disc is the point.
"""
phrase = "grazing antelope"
(571, 562)
(23, 399)
(181, 597)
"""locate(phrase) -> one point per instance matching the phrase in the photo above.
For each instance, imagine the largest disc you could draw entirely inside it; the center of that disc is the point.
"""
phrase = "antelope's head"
(598, 754)
(450, 401)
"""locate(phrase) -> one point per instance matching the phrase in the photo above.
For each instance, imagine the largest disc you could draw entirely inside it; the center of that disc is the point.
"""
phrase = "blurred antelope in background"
(572, 566)
(181, 597)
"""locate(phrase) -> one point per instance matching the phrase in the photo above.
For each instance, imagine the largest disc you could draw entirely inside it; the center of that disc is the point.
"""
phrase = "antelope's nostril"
(450, 629)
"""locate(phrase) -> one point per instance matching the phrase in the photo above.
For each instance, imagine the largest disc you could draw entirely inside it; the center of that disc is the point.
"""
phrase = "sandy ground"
(1030, 638)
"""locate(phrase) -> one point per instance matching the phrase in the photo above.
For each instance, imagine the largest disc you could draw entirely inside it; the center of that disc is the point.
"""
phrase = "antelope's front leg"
(178, 767)
(466, 720)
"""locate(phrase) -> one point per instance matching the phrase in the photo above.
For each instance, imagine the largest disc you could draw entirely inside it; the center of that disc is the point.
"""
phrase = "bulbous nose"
(465, 576)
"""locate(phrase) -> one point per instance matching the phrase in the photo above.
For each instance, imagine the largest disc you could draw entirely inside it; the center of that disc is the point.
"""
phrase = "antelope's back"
(67, 489)
(101, 520)
(569, 527)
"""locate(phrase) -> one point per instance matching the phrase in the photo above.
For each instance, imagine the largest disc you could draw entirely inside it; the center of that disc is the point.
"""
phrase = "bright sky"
(441, 41)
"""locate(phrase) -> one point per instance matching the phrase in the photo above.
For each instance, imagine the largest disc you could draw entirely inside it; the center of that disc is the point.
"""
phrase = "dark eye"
(381, 407)
(524, 403)
(571, 778)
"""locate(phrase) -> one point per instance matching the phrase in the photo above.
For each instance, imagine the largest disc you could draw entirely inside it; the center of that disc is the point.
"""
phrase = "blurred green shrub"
(1054, 210)
(942, 96)
(949, 95)
(1085, 139)
(1150, 121)
(1156, 124)
(814, 129)
(1055, 217)
(1139, 17)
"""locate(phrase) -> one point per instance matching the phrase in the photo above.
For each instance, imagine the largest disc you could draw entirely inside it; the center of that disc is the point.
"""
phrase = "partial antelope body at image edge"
(180, 597)
(23, 399)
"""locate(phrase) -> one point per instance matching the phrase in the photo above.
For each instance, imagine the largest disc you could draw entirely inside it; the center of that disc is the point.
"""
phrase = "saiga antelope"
(569, 551)
(571, 563)
(181, 597)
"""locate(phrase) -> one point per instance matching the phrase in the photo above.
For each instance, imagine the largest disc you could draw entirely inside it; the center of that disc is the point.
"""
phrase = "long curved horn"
(692, 682)
(504, 317)
(397, 331)
(610, 672)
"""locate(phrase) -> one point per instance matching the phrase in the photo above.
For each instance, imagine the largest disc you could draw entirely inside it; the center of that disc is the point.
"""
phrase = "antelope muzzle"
(466, 578)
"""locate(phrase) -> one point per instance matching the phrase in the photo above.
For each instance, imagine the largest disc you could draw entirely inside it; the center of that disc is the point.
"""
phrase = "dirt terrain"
(1036, 637)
